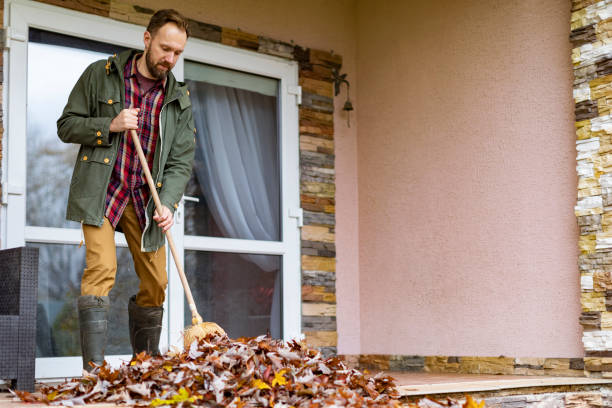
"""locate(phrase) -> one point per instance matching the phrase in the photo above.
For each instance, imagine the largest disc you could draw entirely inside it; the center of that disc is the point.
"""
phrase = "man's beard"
(153, 70)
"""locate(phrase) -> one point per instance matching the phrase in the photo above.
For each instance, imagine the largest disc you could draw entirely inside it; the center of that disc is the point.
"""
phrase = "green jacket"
(99, 96)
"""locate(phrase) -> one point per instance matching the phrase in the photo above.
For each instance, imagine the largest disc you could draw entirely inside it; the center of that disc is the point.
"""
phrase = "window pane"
(236, 174)
(49, 161)
(59, 284)
(241, 293)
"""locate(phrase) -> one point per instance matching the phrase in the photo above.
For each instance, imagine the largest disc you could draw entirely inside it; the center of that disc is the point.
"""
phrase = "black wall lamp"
(348, 105)
(338, 80)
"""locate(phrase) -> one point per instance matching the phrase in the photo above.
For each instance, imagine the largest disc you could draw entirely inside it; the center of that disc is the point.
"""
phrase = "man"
(108, 191)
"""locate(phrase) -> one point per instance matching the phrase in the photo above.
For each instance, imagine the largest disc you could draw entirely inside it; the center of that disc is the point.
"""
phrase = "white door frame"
(19, 16)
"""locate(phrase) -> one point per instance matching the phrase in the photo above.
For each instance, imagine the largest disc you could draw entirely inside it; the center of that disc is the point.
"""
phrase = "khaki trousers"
(101, 258)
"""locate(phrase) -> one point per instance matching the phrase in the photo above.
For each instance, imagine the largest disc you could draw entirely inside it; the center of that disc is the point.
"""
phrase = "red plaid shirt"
(127, 179)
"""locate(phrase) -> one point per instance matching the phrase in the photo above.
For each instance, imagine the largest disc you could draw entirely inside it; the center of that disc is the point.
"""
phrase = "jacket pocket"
(92, 171)
(103, 155)
(108, 106)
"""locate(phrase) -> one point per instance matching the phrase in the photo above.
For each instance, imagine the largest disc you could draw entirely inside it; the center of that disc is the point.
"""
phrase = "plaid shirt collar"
(134, 66)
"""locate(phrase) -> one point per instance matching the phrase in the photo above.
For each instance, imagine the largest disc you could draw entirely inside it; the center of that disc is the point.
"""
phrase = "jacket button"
(188, 92)
(194, 130)
(84, 158)
(110, 101)
(106, 160)
(99, 142)
(159, 184)
(175, 205)
(98, 133)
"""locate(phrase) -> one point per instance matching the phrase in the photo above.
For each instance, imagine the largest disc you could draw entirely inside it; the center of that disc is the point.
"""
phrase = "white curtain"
(237, 167)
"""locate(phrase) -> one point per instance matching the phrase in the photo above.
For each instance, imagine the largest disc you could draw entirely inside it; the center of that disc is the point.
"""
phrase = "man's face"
(163, 49)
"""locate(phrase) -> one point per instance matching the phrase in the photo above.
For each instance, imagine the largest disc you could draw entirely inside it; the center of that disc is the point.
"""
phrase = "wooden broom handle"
(195, 316)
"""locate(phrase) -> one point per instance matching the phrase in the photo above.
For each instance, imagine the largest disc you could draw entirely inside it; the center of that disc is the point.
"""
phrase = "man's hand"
(126, 119)
(165, 220)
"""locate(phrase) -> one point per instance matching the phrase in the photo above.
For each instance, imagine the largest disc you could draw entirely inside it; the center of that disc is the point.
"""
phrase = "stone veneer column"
(317, 174)
(591, 37)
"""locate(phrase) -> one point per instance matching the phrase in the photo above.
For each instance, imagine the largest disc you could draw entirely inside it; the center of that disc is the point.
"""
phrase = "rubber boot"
(93, 324)
(145, 327)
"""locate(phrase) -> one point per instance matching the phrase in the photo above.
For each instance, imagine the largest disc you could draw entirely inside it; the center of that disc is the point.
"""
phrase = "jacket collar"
(173, 88)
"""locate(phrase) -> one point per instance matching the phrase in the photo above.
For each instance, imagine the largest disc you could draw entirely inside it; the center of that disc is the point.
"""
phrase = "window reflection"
(49, 161)
(59, 285)
(234, 291)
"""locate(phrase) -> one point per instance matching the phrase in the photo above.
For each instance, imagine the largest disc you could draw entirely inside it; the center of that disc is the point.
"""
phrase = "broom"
(199, 328)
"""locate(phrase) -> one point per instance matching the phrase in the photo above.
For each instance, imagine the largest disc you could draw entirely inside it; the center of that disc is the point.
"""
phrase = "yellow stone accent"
(557, 363)
(606, 219)
(318, 263)
(561, 373)
(324, 57)
(606, 321)
(588, 182)
(602, 281)
(124, 11)
(315, 86)
(532, 361)
(589, 192)
(593, 301)
(576, 56)
(319, 309)
(318, 117)
(603, 106)
(593, 363)
(238, 38)
(440, 364)
(486, 365)
(601, 87)
(376, 361)
(321, 338)
(587, 243)
(313, 143)
(605, 144)
(590, 211)
(317, 233)
(319, 189)
(605, 162)
(317, 294)
(578, 19)
(583, 129)
(603, 30)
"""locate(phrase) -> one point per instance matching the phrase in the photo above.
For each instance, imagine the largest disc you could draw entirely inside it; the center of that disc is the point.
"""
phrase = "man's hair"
(161, 17)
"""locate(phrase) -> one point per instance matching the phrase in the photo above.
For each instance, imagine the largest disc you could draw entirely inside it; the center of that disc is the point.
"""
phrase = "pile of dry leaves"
(217, 371)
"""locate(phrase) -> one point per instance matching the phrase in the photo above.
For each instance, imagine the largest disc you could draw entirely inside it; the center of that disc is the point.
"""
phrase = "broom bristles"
(199, 331)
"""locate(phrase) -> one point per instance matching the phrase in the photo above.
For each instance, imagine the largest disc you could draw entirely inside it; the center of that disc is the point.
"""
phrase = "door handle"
(191, 198)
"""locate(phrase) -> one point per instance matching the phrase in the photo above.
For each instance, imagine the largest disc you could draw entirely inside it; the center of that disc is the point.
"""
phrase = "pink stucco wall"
(325, 25)
(466, 152)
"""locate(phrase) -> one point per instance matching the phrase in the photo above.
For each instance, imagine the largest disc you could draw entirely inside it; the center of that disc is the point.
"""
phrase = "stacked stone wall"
(591, 37)
(317, 172)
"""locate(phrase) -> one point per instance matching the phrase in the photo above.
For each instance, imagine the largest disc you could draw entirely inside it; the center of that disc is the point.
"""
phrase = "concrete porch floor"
(414, 386)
